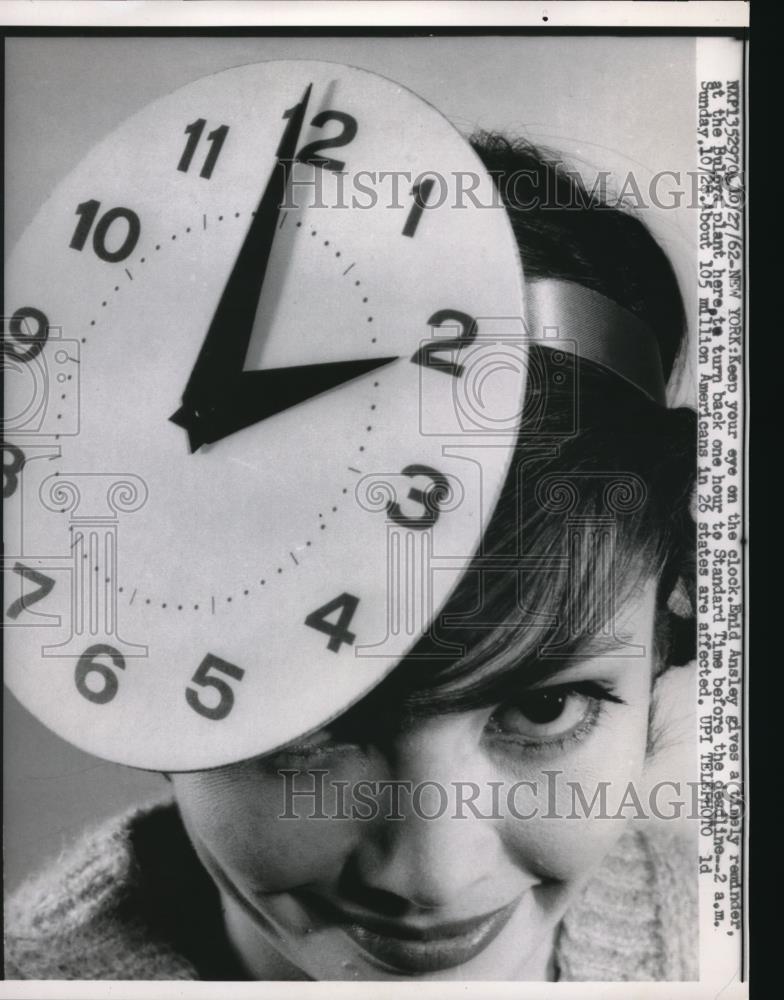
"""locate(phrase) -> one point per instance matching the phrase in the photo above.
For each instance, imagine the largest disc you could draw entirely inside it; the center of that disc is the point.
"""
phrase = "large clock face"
(264, 364)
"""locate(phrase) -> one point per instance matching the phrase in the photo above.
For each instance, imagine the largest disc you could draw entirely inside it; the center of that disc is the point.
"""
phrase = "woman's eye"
(543, 714)
(549, 714)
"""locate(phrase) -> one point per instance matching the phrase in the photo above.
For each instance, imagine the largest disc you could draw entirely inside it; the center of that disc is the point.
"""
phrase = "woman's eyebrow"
(588, 647)
(541, 665)
(531, 670)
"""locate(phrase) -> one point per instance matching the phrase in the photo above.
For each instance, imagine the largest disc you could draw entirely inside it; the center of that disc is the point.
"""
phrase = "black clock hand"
(255, 395)
(223, 352)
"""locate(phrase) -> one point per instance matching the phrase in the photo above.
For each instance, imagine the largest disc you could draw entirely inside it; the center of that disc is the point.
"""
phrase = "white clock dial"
(184, 593)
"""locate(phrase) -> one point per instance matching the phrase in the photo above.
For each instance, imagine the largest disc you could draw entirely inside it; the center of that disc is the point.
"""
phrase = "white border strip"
(122, 990)
(373, 13)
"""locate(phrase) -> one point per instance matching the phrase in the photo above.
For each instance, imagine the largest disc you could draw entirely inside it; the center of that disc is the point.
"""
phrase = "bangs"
(584, 519)
(520, 625)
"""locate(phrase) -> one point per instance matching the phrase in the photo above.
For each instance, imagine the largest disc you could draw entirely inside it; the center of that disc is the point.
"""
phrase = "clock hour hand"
(223, 351)
(253, 396)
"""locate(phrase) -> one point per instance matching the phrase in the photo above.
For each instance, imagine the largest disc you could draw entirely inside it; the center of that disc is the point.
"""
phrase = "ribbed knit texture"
(637, 918)
(131, 901)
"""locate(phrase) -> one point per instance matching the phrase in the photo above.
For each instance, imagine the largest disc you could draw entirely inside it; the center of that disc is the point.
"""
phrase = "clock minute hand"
(223, 352)
(256, 395)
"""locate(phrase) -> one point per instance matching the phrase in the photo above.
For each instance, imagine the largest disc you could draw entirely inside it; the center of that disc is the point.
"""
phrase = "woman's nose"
(444, 849)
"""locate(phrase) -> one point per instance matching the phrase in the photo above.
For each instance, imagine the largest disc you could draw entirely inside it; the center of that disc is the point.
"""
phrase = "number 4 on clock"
(337, 631)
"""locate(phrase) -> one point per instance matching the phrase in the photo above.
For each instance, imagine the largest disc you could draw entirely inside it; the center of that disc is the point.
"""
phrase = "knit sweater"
(132, 901)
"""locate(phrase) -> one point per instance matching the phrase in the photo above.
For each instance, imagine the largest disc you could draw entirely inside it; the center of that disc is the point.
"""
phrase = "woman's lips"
(417, 949)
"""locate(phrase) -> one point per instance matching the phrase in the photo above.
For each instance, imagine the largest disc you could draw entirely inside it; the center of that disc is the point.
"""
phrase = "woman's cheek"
(581, 802)
(240, 822)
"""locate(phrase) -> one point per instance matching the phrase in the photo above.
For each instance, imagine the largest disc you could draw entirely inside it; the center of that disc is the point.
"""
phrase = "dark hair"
(597, 498)
(565, 232)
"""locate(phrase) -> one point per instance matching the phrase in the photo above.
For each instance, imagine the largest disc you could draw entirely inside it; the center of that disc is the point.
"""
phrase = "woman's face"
(360, 883)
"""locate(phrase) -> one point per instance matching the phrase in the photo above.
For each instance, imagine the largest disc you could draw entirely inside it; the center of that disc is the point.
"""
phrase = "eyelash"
(598, 693)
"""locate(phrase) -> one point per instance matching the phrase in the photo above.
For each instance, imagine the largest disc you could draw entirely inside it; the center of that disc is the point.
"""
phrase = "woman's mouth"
(410, 949)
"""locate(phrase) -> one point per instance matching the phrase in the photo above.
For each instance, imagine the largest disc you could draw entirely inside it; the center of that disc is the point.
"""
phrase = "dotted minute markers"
(245, 591)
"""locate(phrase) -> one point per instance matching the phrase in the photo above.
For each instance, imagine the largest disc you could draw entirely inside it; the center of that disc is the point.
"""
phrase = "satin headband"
(566, 316)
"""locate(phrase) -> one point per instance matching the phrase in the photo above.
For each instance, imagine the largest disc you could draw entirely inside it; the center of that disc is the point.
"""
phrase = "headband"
(567, 316)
